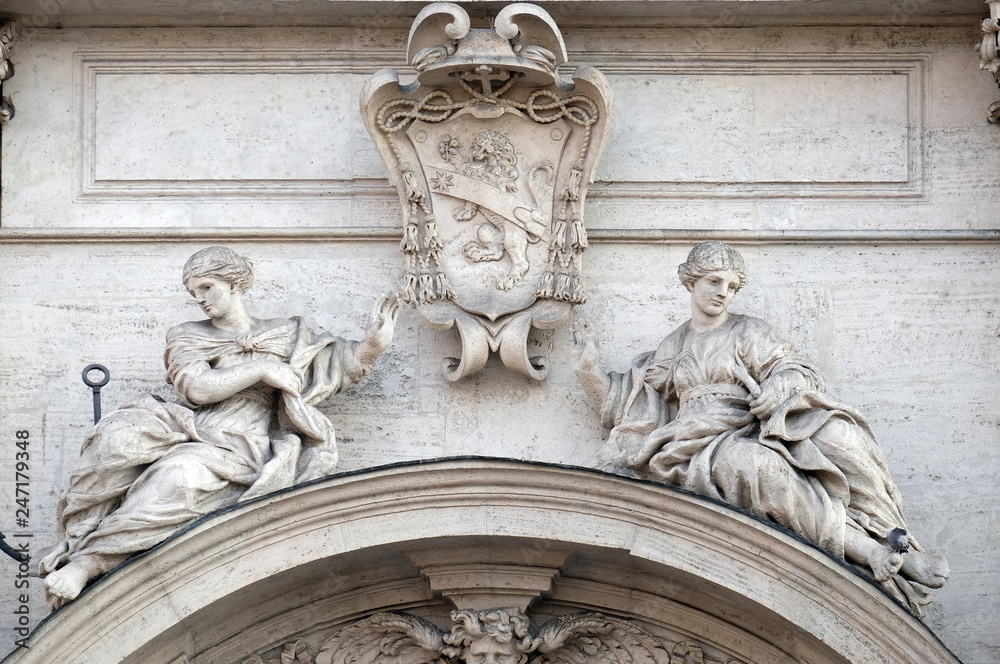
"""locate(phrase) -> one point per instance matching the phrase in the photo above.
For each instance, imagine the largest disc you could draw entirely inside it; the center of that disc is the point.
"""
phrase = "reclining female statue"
(725, 408)
(245, 426)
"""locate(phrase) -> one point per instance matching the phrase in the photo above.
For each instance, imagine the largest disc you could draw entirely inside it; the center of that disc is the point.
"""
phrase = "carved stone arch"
(273, 579)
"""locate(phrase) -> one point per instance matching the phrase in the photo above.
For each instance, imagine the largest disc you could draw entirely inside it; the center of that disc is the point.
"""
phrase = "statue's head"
(710, 257)
(496, 636)
(220, 263)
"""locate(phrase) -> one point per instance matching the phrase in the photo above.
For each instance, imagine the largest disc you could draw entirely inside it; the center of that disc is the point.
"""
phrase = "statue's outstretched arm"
(587, 365)
(385, 313)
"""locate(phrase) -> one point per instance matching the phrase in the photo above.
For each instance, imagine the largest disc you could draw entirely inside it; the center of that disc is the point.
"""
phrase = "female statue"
(727, 409)
(245, 425)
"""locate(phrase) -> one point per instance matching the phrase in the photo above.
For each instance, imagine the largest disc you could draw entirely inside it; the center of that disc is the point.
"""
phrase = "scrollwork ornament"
(988, 53)
(491, 152)
(8, 35)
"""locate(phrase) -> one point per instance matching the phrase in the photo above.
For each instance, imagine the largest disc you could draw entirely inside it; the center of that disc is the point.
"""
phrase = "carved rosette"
(988, 53)
(8, 34)
(493, 636)
(491, 152)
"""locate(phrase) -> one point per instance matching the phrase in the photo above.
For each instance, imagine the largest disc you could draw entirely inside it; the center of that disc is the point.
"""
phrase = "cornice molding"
(15, 236)
(740, 570)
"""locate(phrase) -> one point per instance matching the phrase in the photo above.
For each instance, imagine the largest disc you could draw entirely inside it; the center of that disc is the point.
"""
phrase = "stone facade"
(842, 147)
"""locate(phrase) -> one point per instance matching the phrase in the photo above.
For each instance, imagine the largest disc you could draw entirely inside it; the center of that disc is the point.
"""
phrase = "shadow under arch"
(416, 537)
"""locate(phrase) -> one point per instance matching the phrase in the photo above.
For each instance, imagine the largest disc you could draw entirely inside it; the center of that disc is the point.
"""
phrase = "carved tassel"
(572, 190)
(545, 286)
(563, 287)
(431, 238)
(409, 293)
(409, 243)
(579, 235)
(444, 288)
(579, 291)
(427, 289)
(558, 241)
(414, 193)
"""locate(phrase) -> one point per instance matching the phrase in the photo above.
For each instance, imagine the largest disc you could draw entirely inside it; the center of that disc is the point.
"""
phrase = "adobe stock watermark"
(19, 548)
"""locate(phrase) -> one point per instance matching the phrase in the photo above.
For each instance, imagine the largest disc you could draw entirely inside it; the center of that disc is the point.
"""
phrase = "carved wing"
(586, 638)
(690, 652)
(385, 638)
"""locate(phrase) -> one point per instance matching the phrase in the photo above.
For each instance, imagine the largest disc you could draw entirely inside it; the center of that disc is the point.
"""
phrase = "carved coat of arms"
(491, 152)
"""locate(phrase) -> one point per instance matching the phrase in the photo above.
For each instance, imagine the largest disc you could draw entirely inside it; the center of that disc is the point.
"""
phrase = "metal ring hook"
(96, 367)
(96, 386)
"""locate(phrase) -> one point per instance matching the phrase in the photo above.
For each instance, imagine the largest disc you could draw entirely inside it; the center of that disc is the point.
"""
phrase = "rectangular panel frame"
(89, 65)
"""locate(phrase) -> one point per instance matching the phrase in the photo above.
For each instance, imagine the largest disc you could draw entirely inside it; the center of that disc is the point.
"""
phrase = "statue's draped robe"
(681, 416)
(150, 468)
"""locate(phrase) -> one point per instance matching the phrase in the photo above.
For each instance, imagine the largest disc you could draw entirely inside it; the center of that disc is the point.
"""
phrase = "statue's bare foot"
(66, 583)
(926, 569)
(884, 562)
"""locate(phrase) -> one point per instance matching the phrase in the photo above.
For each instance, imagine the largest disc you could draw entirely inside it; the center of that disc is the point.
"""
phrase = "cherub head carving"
(496, 636)
(502, 636)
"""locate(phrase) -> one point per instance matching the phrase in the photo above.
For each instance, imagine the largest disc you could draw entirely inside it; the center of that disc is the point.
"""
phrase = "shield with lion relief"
(491, 153)
(492, 193)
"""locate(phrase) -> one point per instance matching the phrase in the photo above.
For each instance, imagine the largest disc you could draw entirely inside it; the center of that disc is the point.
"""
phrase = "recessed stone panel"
(223, 124)
(700, 128)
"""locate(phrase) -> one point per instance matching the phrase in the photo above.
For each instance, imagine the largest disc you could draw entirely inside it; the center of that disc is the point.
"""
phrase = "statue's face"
(712, 293)
(214, 296)
(487, 650)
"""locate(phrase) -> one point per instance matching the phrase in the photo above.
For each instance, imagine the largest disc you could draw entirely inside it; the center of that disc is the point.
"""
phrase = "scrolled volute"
(437, 27)
(534, 34)
(8, 35)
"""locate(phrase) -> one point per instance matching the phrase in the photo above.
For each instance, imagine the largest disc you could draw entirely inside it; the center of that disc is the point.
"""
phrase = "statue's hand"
(385, 313)
(658, 376)
(768, 401)
(586, 355)
(280, 375)
(775, 391)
